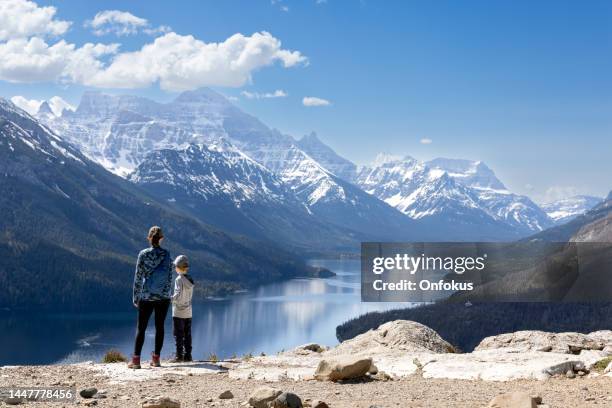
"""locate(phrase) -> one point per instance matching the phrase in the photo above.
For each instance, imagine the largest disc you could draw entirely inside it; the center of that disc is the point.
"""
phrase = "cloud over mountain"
(176, 62)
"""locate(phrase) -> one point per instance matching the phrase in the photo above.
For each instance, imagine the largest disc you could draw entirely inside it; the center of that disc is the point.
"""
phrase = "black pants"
(145, 310)
(182, 336)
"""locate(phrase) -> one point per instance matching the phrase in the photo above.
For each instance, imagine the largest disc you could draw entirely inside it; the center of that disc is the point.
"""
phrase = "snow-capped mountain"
(219, 184)
(566, 209)
(54, 105)
(22, 133)
(467, 172)
(447, 188)
(518, 211)
(119, 132)
(327, 157)
(209, 171)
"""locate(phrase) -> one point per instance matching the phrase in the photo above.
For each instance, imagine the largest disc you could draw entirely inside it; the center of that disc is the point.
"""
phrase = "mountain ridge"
(71, 230)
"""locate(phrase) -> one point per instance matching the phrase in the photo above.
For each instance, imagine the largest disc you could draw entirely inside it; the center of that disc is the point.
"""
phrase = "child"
(181, 309)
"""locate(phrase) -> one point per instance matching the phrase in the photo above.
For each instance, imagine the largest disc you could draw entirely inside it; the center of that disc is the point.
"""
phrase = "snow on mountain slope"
(566, 209)
(468, 172)
(415, 189)
(327, 157)
(21, 132)
(220, 185)
(210, 171)
(119, 131)
(449, 188)
(518, 211)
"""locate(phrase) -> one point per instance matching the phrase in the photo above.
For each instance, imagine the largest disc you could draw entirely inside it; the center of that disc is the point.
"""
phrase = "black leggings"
(145, 310)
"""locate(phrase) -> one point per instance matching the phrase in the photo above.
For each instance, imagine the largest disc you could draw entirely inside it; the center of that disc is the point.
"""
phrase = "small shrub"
(212, 357)
(247, 356)
(114, 356)
(602, 364)
(263, 354)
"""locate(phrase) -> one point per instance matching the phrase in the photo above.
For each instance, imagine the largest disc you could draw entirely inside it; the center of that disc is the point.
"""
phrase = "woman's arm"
(138, 275)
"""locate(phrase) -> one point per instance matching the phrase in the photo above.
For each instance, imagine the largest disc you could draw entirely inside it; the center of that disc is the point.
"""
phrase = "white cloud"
(281, 6)
(29, 105)
(314, 101)
(279, 93)
(121, 23)
(23, 19)
(181, 62)
(56, 103)
(175, 62)
(33, 60)
(426, 141)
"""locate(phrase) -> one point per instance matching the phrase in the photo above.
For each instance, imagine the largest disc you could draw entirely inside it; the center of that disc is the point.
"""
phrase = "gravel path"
(203, 390)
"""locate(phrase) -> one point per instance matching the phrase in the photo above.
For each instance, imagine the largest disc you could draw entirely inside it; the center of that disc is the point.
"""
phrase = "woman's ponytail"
(155, 235)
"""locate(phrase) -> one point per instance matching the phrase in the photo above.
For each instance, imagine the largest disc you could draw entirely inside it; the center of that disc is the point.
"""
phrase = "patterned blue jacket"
(153, 276)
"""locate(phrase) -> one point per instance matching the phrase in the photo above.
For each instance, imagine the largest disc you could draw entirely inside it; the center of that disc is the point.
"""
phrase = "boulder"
(160, 402)
(88, 392)
(226, 395)
(263, 396)
(343, 368)
(312, 347)
(319, 404)
(287, 400)
(533, 340)
(605, 337)
(515, 400)
(398, 335)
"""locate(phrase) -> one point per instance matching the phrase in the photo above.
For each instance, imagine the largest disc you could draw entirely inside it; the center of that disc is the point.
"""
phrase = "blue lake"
(268, 319)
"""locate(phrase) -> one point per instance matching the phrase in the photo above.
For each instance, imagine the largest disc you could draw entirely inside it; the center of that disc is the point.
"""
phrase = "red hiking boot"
(155, 360)
(135, 363)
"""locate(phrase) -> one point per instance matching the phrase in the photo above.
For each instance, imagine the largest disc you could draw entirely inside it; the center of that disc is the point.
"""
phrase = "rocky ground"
(401, 364)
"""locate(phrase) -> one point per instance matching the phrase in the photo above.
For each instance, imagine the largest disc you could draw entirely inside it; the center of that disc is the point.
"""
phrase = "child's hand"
(135, 305)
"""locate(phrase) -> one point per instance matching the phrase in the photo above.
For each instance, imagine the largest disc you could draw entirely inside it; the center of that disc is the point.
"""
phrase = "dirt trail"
(202, 390)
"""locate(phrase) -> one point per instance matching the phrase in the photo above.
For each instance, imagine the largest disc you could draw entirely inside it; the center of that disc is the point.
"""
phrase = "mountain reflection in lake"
(268, 319)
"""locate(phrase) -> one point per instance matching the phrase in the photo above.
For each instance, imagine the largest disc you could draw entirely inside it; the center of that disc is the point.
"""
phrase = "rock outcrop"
(531, 340)
(403, 348)
(398, 335)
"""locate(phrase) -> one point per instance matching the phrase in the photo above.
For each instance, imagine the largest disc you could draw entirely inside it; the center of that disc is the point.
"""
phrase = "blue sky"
(524, 86)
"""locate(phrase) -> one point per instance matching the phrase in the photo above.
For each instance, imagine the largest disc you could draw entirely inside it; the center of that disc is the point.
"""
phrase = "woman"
(152, 293)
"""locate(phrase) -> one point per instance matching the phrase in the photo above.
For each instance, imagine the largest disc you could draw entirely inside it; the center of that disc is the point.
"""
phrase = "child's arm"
(178, 287)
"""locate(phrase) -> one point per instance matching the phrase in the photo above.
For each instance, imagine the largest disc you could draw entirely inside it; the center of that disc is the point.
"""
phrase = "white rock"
(533, 340)
(398, 335)
(342, 368)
